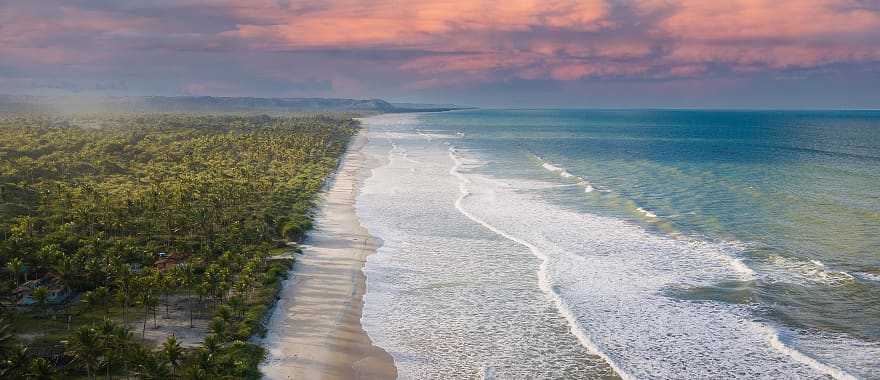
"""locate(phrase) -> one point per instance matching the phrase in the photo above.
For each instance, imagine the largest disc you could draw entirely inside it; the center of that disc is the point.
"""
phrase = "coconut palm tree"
(173, 353)
(15, 266)
(41, 295)
(15, 362)
(67, 271)
(236, 303)
(86, 347)
(99, 297)
(41, 369)
(153, 367)
(111, 351)
(167, 282)
(212, 345)
(195, 372)
(155, 283)
(125, 283)
(146, 299)
(123, 339)
(187, 279)
(220, 327)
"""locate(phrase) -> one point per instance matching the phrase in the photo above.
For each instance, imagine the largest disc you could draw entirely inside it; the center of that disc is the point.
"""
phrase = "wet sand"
(315, 330)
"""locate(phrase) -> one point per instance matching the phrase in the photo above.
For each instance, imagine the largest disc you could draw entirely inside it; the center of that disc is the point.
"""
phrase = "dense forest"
(115, 228)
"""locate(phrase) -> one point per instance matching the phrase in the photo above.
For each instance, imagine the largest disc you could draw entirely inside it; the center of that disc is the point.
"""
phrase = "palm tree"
(195, 372)
(146, 298)
(86, 347)
(237, 304)
(107, 331)
(15, 362)
(124, 281)
(186, 278)
(41, 369)
(173, 353)
(212, 345)
(220, 327)
(157, 285)
(123, 339)
(15, 266)
(121, 296)
(99, 297)
(153, 368)
(166, 283)
(66, 271)
(203, 289)
(41, 295)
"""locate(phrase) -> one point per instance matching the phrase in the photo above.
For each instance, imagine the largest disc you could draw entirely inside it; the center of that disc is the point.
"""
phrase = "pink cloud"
(676, 37)
(436, 43)
(31, 37)
(574, 71)
(23, 28)
(430, 23)
(468, 63)
(611, 48)
(687, 70)
(777, 57)
(570, 71)
(764, 19)
(754, 34)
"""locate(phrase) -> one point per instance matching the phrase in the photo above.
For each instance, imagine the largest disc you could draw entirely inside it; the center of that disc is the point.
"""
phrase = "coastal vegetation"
(151, 245)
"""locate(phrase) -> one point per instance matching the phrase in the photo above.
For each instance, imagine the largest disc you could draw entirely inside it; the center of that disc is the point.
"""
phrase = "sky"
(513, 53)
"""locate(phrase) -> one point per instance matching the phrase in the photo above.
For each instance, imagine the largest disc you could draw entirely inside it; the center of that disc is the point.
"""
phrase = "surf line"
(543, 282)
(777, 343)
(581, 335)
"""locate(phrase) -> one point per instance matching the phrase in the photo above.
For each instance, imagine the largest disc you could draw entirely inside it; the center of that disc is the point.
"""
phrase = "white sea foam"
(646, 213)
(395, 149)
(802, 272)
(776, 342)
(551, 168)
(606, 274)
(874, 277)
(830, 351)
(543, 281)
(562, 173)
(454, 297)
(430, 136)
(525, 184)
(588, 187)
(447, 298)
(389, 135)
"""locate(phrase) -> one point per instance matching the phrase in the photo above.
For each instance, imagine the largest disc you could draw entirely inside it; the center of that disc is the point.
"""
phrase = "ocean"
(625, 243)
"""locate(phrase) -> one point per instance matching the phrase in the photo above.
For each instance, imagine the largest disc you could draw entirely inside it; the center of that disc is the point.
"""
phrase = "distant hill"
(208, 104)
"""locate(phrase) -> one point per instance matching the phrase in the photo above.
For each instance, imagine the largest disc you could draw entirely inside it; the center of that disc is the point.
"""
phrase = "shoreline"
(315, 331)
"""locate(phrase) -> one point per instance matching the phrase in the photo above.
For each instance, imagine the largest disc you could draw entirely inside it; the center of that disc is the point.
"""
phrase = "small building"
(169, 261)
(58, 292)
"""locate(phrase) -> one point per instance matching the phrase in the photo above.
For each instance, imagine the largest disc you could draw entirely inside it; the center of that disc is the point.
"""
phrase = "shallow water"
(640, 244)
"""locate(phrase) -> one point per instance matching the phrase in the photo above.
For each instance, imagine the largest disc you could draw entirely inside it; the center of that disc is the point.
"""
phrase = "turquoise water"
(660, 233)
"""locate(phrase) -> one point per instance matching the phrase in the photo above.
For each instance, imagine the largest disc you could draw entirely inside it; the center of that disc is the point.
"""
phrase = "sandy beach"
(315, 330)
